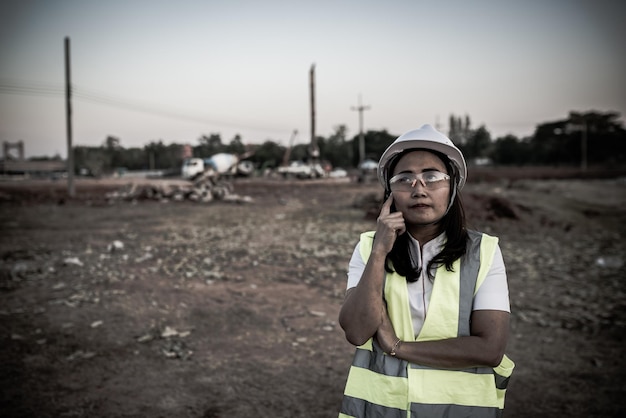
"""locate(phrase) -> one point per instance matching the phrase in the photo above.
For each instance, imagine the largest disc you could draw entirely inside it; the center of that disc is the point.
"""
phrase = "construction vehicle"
(298, 169)
(223, 164)
(302, 170)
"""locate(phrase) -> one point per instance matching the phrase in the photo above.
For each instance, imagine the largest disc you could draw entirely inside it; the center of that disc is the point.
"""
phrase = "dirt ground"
(182, 309)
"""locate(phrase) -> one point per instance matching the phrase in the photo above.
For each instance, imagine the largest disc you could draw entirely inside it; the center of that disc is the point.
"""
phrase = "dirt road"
(181, 309)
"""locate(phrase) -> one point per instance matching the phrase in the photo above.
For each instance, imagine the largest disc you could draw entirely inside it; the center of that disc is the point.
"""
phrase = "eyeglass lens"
(430, 180)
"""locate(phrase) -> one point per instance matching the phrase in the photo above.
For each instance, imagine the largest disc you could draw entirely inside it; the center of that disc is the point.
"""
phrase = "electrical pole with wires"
(68, 108)
(360, 108)
(313, 148)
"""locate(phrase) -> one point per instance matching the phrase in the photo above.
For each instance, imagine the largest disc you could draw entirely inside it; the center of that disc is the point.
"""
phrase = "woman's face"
(421, 205)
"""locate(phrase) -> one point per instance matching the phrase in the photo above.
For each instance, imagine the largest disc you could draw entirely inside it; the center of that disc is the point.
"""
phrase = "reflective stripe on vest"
(384, 386)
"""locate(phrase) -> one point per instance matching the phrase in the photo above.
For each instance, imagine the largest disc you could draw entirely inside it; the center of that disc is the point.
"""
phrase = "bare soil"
(114, 308)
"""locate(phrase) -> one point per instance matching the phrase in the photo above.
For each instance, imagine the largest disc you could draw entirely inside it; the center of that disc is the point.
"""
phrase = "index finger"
(386, 208)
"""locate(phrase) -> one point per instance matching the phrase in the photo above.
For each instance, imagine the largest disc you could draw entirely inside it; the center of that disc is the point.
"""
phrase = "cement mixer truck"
(222, 164)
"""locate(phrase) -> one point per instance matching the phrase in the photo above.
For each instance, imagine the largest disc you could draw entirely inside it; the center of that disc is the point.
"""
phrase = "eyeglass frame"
(444, 181)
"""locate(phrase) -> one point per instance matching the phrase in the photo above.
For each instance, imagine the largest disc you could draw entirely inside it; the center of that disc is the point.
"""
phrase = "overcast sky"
(176, 70)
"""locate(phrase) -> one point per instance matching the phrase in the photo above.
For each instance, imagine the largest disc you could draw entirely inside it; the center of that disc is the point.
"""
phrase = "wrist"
(379, 252)
(395, 347)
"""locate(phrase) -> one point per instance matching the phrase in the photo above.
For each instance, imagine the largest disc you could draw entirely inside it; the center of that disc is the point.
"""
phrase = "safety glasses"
(431, 180)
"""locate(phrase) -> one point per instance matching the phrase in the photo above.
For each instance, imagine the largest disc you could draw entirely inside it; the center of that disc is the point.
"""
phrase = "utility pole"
(314, 151)
(68, 113)
(360, 108)
(583, 145)
(579, 120)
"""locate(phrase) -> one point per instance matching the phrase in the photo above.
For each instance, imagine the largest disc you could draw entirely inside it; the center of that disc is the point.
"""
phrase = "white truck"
(221, 163)
(302, 170)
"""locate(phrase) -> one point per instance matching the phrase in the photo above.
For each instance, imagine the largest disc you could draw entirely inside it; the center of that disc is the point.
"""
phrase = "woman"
(427, 301)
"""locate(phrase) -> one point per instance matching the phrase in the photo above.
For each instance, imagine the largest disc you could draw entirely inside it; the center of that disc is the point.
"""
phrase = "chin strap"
(454, 186)
(452, 196)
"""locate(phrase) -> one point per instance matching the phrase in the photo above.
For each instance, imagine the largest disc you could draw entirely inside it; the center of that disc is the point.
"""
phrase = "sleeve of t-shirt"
(493, 294)
(355, 267)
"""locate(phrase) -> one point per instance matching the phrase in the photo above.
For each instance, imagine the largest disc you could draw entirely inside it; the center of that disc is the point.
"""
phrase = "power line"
(91, 96)
(10, 87)
(88, 95)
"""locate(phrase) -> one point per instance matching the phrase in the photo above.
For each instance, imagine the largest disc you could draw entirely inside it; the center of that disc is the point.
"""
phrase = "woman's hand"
(385, 334)
(388, 226)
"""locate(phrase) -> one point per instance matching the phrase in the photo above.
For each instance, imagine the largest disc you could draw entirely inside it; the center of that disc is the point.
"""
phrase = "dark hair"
(453, 223)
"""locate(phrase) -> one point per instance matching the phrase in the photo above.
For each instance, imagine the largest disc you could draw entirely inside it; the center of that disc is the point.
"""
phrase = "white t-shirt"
(493, 294)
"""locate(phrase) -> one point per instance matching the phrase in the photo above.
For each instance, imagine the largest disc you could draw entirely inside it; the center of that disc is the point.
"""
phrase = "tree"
(510, 150)
(557, 142)
(133, 159)
(551, 145)
(112, 143)
(598, 135)
(209, 145)
(460, 130)
(300, 152)
(235, 146)
(376, 142)
(601, 136)
(477, 144)
(336, 149)
(268, 155)
(162, 157)
(92, 160)
(112, 152)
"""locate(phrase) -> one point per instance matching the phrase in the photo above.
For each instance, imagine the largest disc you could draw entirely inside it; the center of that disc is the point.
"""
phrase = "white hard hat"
(427, 138)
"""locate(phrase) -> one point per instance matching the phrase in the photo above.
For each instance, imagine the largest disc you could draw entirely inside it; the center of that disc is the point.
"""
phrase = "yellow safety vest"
(380, 385)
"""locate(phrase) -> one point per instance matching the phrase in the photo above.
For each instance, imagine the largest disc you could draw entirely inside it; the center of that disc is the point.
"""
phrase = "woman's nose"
(419, 188)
